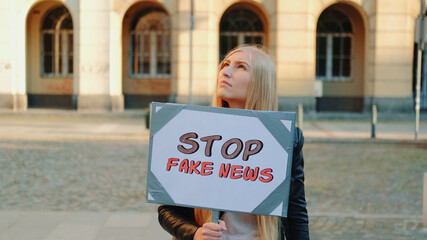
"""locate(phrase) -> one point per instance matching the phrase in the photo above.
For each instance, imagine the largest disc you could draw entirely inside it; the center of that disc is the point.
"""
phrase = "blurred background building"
(122, 54)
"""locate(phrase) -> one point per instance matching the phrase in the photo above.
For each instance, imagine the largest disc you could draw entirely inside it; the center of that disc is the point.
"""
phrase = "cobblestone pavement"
(355, 189)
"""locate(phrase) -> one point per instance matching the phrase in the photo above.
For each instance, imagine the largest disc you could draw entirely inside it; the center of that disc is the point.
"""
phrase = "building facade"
(331, 55)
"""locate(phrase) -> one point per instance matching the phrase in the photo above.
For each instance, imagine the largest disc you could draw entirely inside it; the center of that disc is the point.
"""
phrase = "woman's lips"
(223, 82)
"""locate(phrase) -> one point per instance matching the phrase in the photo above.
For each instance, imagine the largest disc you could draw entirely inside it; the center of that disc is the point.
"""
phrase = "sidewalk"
(19, 225)
(72, 124)
(359, 130)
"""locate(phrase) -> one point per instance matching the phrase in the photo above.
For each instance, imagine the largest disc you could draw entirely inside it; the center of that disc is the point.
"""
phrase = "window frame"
(60, 48)
(153, 54)
(329, 77)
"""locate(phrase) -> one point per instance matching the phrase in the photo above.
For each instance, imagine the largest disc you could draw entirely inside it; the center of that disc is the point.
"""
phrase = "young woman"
(246, 80)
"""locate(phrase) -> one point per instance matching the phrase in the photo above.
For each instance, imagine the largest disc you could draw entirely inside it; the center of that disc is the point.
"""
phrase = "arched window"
(57, 43)
(333, 46)
(237, 27)
(150, 44)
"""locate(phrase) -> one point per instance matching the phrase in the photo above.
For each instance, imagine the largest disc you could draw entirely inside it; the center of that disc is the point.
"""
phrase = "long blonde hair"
(261, 95)
(268, 226)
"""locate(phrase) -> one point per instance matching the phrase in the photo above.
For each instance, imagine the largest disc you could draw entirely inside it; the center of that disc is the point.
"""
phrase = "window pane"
(347, 46)
(67, 23)
(70, 64)
(346, 67)
(336, 67)
(222, 47)
(151, 18)
(60, 43)
(135, 45)
(226, 44)
(70, 53)
(258, 40)
(47, 42)
(336, 47)
(241, 20)
(146, 54)
(135, 53)
(56, 16)
(47, 63)
(321, 46)
(321, 57)
(346, 26)
(58, 54)
(333, 21)
(70, 44)
(163, 60)
(321, 67)
(48, 23)
(253, 39)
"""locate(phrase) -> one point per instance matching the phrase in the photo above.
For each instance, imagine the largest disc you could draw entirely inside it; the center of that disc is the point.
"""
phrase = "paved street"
(77, 176)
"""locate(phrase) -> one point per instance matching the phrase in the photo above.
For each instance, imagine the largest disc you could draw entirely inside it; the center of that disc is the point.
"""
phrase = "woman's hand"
(210, 231)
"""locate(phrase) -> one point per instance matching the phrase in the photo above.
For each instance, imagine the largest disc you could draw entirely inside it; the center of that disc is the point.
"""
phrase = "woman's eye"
(241, 66)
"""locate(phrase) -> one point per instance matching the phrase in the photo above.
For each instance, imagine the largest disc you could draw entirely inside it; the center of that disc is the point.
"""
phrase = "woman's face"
(233, 79)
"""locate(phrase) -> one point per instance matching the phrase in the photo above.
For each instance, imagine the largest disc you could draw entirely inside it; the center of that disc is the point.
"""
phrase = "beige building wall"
(391, 53)
(383, 52)
(295, 53)
(393, 47)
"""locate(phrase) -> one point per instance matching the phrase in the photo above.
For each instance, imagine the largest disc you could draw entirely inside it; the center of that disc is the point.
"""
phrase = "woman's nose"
(227, 72)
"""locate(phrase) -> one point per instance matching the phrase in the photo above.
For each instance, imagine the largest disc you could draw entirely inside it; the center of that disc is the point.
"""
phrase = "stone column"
(6, 97)
(205, 51)
(16, 70)
(116, 92)
(94, 86)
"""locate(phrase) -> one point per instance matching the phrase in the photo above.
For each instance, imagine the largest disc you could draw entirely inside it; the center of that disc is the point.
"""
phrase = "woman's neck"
(237, 105)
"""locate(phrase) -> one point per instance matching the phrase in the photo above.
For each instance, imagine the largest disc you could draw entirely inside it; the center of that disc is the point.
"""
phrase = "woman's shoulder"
(298, 139)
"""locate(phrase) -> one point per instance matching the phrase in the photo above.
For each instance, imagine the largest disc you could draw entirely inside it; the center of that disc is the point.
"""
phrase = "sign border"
(155, 193)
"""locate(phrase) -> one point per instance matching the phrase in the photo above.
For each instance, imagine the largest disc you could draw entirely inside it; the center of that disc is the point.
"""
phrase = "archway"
(50, 61)
(340, 58)
(146, 55)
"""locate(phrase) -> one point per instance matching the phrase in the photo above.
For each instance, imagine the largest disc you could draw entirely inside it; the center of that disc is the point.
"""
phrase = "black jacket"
(180, 221)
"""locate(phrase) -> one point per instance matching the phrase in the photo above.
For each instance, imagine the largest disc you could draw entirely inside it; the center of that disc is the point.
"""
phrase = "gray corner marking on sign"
(273, 124)
(274, 199)
(156, 191)
(166, 113)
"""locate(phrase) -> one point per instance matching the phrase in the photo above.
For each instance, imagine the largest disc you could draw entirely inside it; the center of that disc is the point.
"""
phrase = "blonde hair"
(268, 226)
(261, 95)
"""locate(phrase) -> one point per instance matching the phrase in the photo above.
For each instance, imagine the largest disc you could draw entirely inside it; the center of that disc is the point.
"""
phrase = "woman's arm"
(178, 221)
(296, 224)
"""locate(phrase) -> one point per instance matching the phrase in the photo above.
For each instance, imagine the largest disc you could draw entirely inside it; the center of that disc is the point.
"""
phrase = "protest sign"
(220, 158)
